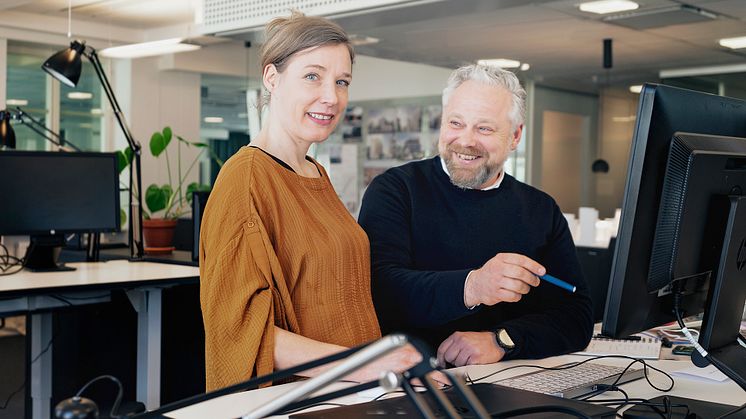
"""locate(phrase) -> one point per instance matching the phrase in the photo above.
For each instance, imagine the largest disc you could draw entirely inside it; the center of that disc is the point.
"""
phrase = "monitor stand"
(700, 408)
(43, 253)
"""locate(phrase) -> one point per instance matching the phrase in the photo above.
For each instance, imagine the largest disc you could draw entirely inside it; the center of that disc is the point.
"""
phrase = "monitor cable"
(700, 356)
(8, 262)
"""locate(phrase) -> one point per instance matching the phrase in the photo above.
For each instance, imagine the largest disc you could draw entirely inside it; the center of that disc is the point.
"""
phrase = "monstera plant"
(167, 202)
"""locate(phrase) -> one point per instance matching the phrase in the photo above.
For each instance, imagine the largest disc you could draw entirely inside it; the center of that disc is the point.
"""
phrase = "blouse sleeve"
(241, 304)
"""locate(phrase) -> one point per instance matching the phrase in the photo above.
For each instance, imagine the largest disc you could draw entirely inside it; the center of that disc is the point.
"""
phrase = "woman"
(284, 268)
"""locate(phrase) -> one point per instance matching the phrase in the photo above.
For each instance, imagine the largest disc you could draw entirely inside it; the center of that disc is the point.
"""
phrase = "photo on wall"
(351, 126)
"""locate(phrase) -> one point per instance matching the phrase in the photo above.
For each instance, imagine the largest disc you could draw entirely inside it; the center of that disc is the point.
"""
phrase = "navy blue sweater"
(427, 234)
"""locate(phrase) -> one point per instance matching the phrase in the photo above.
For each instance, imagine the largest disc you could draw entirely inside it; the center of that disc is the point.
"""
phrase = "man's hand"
(469, 348)
(504, 278)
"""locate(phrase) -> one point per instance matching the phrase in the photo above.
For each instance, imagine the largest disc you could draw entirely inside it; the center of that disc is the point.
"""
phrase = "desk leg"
(41, 369)
(147, 303)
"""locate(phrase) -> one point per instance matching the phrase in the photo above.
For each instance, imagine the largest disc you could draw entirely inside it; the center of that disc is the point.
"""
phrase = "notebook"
(644, 348)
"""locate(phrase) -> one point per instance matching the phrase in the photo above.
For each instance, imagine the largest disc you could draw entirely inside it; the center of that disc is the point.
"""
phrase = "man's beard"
(466, 178)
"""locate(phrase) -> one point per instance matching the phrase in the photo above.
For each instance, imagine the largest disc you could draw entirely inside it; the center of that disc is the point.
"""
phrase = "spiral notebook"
(644, 348)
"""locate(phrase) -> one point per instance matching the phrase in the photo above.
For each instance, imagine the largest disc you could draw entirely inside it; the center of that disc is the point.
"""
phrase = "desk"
(34, 293)
(235, 405)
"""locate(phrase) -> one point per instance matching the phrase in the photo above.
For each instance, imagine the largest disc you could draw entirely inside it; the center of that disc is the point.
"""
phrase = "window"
(38, 95)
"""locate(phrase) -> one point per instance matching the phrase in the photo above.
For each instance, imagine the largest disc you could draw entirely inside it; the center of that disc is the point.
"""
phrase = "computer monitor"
(631, 307)
(47, 195)
(682, 242)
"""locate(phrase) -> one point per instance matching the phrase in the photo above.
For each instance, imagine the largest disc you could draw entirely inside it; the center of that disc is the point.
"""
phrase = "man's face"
(476, 134)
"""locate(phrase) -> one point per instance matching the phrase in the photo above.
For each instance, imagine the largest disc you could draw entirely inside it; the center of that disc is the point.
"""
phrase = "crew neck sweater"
(426, 235)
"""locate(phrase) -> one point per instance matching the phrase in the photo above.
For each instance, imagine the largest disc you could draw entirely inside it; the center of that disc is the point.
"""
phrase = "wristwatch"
(504, 341)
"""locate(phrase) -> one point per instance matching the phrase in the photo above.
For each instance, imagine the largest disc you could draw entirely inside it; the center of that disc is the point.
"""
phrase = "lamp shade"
(7, 135)
(65, 65)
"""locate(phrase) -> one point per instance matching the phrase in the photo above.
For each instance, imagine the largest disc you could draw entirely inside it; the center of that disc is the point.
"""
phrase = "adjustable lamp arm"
(35, 125)
(135, 185)
(65, 66)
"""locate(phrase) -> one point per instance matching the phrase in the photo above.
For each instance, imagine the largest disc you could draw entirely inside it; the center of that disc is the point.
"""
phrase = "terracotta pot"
(159, 235)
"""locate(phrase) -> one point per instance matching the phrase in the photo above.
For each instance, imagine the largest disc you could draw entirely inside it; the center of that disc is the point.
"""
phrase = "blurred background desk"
(40, 294)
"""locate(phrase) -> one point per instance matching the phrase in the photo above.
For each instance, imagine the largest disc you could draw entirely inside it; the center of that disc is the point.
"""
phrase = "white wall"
(378, 78)
(152, 99)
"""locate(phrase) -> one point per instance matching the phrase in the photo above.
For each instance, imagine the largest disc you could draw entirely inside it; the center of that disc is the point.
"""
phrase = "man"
(457, 244)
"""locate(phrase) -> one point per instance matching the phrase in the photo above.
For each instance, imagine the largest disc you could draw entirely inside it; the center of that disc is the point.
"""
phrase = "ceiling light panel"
(500, 62)
(227, 17)
(608, 6)
(733, 43)
(149, 49)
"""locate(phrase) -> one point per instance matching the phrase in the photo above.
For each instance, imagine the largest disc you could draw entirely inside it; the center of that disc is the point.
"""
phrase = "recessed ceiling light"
(603, 7)
(213, 119)
(501, 62)
(16, 102)
(147, 49)
(636, 88)
(358, 40)
(733, 43)
(80, 95)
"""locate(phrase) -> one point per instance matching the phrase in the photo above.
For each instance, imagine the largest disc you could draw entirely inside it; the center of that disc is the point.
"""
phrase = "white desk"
(32, 292)
(235, 405)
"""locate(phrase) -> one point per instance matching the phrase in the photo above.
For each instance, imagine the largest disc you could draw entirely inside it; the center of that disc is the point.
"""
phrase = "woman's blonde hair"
(287, 35)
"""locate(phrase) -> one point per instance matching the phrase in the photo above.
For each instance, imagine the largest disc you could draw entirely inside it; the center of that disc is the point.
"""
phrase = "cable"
(8, 262)
(732, 412)
(575, 364)
(62, 299)
(117, 401)
(676, 308)
(21, 387)
(541, 409)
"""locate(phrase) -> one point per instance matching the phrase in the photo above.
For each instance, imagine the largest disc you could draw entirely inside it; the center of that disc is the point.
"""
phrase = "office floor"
(12, 362)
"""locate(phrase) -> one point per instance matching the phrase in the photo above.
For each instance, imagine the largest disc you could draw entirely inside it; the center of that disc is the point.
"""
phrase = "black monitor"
(47, 195)
(681, 246)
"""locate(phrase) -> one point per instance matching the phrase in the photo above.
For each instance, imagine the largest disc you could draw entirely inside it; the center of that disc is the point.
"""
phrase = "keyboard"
(574, 381)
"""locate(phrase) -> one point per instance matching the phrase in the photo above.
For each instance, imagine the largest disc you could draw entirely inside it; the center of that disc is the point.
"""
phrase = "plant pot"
(159, 235)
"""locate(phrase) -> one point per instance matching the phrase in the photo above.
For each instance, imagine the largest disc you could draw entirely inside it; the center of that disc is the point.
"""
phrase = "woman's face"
(309, 97)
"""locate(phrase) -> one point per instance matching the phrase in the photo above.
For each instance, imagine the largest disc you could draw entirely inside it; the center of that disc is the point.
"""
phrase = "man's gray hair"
(493, 76)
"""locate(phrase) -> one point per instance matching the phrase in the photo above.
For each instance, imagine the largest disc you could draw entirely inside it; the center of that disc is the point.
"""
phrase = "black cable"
(92, 297)
(62, 299)
(117, 400)
(36, 358)
(541, 409)
(575, 364)
(8, 262)
(7, 400)
(732, 412)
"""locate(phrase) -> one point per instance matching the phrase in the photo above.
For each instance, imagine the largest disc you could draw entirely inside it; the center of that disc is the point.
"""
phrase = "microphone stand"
(388, 380)
(356, 358)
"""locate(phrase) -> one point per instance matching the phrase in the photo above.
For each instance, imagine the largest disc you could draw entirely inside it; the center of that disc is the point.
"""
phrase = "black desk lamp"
(8, 136)
(65, 66)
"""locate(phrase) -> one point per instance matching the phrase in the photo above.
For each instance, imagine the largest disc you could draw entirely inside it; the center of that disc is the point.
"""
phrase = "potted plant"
(166, 203)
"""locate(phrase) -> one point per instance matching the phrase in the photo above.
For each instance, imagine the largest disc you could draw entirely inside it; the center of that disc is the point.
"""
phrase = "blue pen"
(558, 282)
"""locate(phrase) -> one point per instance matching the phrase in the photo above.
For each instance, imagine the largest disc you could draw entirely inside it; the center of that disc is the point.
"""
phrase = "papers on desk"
(708, 374)
(644, 348)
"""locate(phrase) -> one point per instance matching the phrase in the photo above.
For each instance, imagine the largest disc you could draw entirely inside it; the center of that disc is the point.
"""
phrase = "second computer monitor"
(632, 305)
